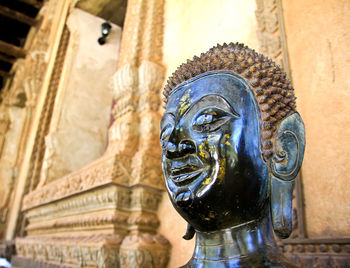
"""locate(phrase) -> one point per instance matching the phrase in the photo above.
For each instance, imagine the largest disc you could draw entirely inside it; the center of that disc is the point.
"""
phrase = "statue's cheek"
(203, 149)
(166, 168)
(208, 147)
(227, 150)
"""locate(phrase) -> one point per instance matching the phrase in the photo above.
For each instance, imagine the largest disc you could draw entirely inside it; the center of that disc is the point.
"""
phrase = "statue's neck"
(244, 241)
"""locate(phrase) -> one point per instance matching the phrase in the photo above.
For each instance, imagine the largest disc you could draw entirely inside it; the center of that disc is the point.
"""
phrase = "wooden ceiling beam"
(12, 50)
(34, 3)
(4, 74)
(18, 16)
(6, 58)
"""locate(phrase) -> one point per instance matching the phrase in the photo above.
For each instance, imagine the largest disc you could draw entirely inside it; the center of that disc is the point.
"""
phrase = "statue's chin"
(184, 198)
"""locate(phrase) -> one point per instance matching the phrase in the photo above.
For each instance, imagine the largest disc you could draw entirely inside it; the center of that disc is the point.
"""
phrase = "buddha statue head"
(232, 141)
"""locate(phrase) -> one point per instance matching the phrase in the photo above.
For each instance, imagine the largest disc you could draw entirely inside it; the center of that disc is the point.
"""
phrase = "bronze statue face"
(212, 161)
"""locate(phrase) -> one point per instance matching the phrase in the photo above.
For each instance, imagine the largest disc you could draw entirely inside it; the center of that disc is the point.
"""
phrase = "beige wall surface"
(193, 27)
(318, 37)
(78, 130)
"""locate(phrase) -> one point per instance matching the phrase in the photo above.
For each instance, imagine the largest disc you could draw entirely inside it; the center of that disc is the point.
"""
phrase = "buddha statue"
(232, 145)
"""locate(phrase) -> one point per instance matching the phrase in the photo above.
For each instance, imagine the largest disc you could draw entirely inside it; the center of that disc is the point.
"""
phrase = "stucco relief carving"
(98, 173)
(144, 250)
(95, 250)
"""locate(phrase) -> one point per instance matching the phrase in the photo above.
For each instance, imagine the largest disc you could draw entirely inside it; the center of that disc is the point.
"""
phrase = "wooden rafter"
(12, 50)
(18, 16)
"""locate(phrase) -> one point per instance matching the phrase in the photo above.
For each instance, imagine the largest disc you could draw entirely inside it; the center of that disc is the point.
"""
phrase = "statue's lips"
(185, 174)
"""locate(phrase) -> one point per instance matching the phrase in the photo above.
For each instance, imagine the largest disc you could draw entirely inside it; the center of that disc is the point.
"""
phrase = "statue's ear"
(284, 165)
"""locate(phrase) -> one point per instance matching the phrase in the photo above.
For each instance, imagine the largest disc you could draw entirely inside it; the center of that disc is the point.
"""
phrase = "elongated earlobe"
(281, 206)
(285, 165)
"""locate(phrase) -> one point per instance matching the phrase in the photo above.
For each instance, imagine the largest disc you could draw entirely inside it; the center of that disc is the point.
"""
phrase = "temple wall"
(191, 28)
(318, 42)
(85, 199)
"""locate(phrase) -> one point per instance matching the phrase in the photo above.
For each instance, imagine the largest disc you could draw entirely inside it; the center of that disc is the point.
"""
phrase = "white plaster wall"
(78, 131)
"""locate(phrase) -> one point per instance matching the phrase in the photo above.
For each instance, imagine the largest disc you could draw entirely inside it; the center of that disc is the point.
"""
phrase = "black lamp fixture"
(106, 28)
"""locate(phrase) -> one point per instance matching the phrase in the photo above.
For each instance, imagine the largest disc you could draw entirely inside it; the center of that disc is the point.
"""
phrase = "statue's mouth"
(185, 174)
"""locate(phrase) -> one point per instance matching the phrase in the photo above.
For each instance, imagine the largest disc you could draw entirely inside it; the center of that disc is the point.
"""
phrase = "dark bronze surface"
(216, 174)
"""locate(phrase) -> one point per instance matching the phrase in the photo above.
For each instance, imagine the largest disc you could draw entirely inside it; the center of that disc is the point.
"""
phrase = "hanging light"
(106, 28)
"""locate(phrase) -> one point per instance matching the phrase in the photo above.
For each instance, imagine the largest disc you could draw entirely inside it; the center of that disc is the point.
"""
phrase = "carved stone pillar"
(137, 83)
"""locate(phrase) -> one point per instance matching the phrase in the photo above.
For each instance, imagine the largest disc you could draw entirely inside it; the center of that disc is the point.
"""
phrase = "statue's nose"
(181, 149)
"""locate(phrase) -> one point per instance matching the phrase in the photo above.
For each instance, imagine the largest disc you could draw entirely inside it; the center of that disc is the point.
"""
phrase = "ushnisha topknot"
(273, 91)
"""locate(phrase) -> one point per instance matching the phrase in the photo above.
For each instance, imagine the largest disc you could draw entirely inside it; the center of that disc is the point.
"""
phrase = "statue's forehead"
(226, 85)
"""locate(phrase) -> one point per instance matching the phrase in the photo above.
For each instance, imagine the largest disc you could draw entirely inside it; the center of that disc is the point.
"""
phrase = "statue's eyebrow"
(223, 101)
(233, 111)
(165, 116)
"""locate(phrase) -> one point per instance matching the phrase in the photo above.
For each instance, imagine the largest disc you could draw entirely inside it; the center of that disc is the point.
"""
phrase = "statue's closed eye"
(210, 120)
